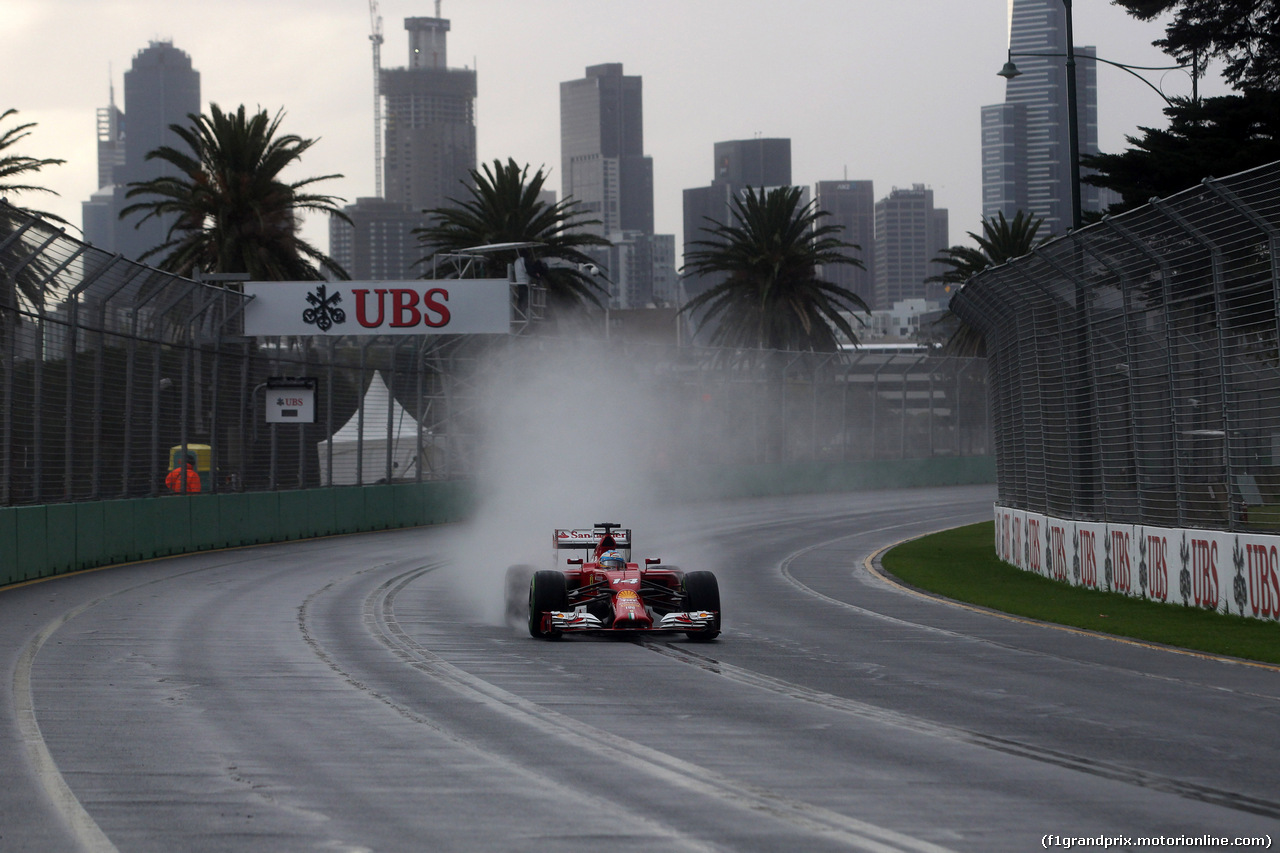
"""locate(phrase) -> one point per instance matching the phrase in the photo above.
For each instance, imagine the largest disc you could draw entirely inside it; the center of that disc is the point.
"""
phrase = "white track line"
(858, 834)
(89, 835)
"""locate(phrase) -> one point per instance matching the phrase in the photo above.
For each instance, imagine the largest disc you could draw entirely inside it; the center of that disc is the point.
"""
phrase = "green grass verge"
(962, 564)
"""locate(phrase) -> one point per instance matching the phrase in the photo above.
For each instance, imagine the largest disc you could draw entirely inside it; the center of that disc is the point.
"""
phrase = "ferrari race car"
(608, 594)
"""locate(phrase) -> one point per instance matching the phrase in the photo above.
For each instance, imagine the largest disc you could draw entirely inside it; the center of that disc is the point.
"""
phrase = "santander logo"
(401, 308)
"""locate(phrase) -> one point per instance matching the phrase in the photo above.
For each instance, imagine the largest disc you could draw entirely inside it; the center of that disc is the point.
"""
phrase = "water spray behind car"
(570, 433)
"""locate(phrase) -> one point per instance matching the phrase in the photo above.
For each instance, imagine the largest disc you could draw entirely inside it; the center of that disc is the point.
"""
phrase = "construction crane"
(375, 21)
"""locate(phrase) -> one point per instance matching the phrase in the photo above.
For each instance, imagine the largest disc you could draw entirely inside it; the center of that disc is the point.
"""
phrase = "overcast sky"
(885, 90)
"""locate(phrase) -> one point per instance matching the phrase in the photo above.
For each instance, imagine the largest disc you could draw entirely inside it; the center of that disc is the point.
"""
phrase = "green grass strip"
(962, 564)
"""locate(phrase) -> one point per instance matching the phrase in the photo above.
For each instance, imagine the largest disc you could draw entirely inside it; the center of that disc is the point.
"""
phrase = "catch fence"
(108, 366)
(1134, 369)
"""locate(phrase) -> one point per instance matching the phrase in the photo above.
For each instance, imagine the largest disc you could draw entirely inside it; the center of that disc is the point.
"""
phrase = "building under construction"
(429, 130)
(430, 121)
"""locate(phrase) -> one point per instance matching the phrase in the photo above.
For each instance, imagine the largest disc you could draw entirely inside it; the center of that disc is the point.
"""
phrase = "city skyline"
(869, 95)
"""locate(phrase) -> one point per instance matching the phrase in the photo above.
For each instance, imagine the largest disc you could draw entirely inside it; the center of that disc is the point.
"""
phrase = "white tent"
(368, 447)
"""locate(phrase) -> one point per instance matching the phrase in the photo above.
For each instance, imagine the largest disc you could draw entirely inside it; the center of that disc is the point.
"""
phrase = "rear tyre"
(547, 591)
(702, 592)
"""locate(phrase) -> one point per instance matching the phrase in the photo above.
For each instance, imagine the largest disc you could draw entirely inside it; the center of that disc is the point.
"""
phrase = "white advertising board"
(291, 401)
(1235, 573)
(448, 307)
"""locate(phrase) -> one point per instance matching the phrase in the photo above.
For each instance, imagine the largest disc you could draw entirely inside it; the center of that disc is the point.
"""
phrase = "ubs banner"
(1230, 572)
(438, 307)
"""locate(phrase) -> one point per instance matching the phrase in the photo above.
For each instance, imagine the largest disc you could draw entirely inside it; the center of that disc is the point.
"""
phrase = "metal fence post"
(1263, 225)
(1215, 265)
(1166, 278)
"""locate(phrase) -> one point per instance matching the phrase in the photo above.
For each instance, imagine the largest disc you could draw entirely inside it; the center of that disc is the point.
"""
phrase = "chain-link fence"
(1134, 368)
(111, 370)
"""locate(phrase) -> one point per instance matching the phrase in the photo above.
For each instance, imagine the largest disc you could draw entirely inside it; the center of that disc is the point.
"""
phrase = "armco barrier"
(40, 541)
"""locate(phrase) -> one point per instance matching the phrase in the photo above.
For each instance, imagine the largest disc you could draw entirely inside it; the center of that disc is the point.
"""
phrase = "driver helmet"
(612, 561)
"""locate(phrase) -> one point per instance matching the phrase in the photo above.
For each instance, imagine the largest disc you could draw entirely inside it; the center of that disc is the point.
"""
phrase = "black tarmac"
(360, 693)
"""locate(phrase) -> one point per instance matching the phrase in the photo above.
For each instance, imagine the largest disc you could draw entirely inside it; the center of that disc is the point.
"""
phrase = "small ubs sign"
(291, 400)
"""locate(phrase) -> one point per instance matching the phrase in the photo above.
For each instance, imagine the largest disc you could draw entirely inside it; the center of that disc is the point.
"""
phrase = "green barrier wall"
(793, 478)
(40, 541)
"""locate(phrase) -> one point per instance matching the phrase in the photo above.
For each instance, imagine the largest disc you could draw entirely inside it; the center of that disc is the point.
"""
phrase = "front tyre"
(702, 592)
(547, 591)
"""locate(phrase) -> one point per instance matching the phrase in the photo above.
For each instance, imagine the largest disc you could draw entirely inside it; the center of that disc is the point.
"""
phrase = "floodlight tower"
(375, 21)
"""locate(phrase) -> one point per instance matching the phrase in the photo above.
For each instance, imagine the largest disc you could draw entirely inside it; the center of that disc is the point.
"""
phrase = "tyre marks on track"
(1093, 767)
(1102, 769)
(833, 827)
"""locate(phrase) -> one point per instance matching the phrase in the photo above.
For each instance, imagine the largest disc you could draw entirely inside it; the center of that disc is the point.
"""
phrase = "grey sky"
(886, 90)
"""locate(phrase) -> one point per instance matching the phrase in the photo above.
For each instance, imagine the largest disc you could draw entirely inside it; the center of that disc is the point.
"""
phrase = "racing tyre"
(702, 592)
(547, 591)
(516, 592)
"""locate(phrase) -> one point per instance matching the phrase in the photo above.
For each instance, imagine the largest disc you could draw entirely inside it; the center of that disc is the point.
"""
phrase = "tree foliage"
(1244, 34)
(20, 166)
(773, 296)
(1001, 241)
(232, 211)
(16, 172)
(504, 207)
(1213, 137)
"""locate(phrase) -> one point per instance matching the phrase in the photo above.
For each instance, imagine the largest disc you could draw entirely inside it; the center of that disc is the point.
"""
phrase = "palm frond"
(503, 206)
(230, 210)
(772, 296)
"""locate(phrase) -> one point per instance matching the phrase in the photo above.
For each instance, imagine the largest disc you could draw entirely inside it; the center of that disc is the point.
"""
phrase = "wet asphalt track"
(341, 695)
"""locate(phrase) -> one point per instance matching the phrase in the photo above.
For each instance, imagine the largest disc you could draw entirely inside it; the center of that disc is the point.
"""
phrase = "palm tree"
(28, 279)
(504, 208)
(232, 212)
(773, 296)
(15, 165)
(1001, 241)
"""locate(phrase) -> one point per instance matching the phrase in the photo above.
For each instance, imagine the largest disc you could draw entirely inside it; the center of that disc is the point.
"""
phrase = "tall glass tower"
(604, 169)
(602, 162)
(1025, 142)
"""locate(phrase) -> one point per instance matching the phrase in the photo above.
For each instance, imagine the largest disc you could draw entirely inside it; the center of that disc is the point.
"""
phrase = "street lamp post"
(1073, 122)
(1009, 71)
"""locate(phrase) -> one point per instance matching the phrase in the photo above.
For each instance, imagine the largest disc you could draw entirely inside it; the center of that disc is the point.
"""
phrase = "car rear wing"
(587, 539)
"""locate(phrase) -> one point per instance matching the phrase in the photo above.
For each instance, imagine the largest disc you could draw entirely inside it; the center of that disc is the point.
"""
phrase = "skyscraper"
(430, 121)
(605, 170)
(602, 161)
(1025, 141)
(851, 205)
(758, 163)
(160, 89)
(910, 232)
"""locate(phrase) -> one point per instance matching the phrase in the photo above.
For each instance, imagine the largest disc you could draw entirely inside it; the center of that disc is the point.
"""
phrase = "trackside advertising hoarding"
(441, 307)
(1215, 570)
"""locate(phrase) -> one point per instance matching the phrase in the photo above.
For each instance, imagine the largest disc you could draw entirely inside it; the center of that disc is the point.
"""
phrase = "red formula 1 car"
(609, 594)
